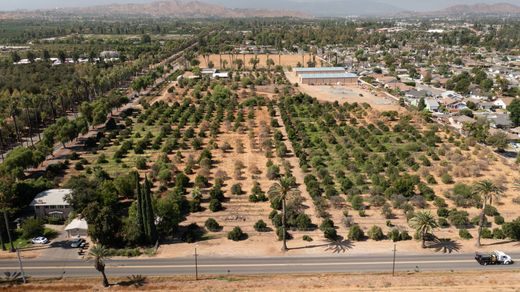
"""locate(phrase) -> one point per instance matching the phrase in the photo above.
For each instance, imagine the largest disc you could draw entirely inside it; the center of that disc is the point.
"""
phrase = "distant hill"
(170, 8)
(480, 9)
(325, 8)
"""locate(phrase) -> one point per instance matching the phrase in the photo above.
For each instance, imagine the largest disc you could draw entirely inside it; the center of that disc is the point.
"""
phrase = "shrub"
(356, 233)
(279, 234)
(498, 233)
(236, 234)
(78, 166)
(443, 212)
(375, 233)
(405, 236)
(307, 238)
(464, 234)
(499, 220)
(236, 189)
(443, 223)
(440, 202)
(102, 159)
(195, 205)
(394, 235)
(330, 233)
(327, 223)
(215, 205)
(193, 233)
(212, 225)
(486, 233)
(31, 228)
(357, 202)
(201, 181)
(490, 211)
(512, 229)
(140, 163)
(458, 218)
(446, 178)
(303, 222)
(260, 226)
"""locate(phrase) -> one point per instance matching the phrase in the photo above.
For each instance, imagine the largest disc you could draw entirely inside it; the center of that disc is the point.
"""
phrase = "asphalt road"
(252, 265)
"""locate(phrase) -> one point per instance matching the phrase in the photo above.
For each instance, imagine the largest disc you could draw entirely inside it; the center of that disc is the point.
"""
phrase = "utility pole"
(196, 266)
(393, 262)
(21, 266)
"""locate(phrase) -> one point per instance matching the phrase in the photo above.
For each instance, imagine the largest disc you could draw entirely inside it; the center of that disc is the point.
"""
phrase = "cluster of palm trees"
(424, 222)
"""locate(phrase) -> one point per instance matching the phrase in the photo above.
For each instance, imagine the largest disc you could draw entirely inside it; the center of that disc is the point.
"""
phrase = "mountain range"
(265, 8)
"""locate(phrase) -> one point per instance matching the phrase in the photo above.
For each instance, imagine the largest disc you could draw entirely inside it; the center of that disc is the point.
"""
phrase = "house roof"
(431, 102)
(500, 119)
(463, 119)
(506, 100)
(77, 224)
(51, 197)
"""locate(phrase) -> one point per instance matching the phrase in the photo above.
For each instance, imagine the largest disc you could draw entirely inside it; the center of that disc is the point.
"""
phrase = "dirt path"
(297, 172)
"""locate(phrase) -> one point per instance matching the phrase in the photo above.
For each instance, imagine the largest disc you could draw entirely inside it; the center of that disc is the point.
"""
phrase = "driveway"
(59, 249)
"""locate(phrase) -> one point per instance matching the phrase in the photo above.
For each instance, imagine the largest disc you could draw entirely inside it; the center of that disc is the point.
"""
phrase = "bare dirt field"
(345, 93)
(284, 60)
(422, 281)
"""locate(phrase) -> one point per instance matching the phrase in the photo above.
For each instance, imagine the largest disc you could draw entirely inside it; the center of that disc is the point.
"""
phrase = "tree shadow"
(501, 242)
(445, 245)
(134, 280)
(308, 246)
(339, 246)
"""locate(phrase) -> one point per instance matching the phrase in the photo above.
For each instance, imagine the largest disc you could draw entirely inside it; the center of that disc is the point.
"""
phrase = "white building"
(52, 203)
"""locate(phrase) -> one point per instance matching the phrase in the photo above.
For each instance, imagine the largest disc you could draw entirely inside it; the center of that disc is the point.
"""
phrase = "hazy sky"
(406, 4)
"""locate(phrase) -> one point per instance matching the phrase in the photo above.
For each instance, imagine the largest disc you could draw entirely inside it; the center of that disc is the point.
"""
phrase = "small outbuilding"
(78, 227)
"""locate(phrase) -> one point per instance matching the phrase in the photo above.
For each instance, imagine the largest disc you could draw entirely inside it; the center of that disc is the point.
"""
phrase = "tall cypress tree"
(140, 218)
(150, 229)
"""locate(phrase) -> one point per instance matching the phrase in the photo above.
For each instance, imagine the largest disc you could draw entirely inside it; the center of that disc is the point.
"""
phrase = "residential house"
(451, 94)
(432, 104)
(458, 122)
(52, 203)
(503, 102)
(499, 121)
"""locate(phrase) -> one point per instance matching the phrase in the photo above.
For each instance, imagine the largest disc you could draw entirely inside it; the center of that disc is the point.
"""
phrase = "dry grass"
(424, 281)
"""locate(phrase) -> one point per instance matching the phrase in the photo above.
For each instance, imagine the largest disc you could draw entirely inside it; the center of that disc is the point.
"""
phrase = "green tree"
(100, 254)
(281, 189)
(424, 223)
(499, 140)
(486, 190)
(514, 109)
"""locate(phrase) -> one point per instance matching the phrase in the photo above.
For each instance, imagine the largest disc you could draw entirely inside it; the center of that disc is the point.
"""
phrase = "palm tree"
(486, 190)
(100, 254)
(283, 188)
(424, 223)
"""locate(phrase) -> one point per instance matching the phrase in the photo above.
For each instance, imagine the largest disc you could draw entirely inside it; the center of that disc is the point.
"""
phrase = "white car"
(76, 242)
(40, 240)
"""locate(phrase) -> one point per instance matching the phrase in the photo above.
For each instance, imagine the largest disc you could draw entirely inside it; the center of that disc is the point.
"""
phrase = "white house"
(52, 203)
(503, 102)
(451, 94)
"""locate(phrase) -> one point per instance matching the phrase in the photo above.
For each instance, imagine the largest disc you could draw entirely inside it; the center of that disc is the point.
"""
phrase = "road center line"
(244, 265)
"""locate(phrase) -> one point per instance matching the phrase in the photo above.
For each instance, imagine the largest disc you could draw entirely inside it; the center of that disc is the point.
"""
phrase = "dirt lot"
(284, 60)
(345, 93)
(427, 281)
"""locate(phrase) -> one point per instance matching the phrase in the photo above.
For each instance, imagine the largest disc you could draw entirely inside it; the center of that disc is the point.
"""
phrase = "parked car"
(40, 240)
(77, 242)
(494, 258)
